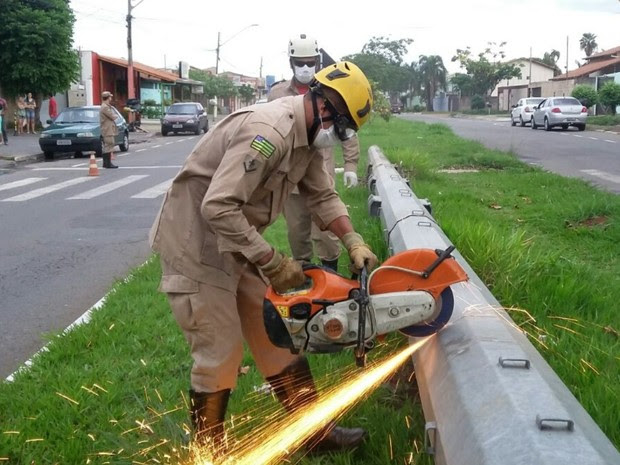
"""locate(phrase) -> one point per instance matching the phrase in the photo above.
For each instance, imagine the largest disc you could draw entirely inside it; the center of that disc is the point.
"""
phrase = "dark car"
(77, 129)
(184, 117)
(397, 108)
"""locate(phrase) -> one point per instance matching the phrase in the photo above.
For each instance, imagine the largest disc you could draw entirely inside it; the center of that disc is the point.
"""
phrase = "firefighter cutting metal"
(410, 292)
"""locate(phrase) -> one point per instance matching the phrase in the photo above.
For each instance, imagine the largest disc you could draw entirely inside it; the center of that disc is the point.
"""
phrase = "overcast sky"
(165, 31)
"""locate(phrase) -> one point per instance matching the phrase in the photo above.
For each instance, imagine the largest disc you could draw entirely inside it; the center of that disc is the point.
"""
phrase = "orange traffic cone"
(93, 170)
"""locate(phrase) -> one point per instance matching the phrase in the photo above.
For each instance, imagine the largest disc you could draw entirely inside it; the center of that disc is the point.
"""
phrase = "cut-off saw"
(410, 292)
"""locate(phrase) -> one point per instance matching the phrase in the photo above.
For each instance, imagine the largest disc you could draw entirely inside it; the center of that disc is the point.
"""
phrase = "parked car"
(522, 112)
(184, 117)
(397, 108)
(77, 129)
(560, 111)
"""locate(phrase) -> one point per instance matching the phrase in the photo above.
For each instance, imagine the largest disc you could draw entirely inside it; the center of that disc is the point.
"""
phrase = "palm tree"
(587, 43)
(551, 59)
(433, 74)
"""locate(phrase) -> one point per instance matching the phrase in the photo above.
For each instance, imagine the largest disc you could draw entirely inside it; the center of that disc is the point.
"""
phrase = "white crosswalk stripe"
(97, 191)
(46, 190)
(603, 175)
(154, 191)
(20, 183)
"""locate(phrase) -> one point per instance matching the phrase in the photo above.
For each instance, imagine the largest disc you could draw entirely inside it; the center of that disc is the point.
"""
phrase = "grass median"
(114, 390)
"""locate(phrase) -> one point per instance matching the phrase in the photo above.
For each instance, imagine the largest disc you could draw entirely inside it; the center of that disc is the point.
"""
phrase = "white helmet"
(303, 47)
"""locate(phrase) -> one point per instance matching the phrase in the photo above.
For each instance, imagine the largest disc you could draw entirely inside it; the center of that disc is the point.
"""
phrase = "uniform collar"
(299, 113)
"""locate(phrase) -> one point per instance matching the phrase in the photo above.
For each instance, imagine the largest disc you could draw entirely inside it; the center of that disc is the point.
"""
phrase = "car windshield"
(533, 101)
(78, 115)
(566, 101)
(182, 110)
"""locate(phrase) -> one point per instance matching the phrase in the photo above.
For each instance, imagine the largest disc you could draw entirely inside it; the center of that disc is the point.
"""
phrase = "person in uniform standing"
(305, 61)
(216, 264)
(107, 120)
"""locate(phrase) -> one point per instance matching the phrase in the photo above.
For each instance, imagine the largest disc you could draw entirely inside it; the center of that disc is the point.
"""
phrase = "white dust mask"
(326, 138)
(304, 74)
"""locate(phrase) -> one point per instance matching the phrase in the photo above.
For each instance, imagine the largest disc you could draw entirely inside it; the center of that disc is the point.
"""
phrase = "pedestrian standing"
(109, 131)
(215, 262)
(31, 105)
(53, 107)
(4, 111)
(21, 115)
(303, 233)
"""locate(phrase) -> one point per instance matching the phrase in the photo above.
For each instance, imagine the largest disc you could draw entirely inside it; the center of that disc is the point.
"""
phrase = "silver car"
(560, 111)
(522, 112)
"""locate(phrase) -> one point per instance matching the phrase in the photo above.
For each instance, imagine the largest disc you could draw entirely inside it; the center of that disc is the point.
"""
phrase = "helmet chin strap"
(317, 120)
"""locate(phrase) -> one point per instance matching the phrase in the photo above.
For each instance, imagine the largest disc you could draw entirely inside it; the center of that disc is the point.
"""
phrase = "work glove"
(350, 179)
(359, 252)
(283, 272)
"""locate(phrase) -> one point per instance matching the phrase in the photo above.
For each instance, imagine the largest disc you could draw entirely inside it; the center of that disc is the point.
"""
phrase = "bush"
(419, 108)
(149, 103)
(609, 95)
(585, 94)
(477, 102)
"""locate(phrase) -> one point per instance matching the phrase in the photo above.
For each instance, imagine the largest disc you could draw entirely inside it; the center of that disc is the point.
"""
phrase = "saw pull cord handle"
(443, 254)
(362, 302)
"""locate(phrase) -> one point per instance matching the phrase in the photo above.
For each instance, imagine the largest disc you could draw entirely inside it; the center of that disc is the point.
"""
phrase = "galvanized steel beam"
(488, 396)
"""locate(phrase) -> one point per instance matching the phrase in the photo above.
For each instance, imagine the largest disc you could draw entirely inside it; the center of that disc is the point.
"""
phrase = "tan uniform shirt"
(107, 120)
(350, 148)
(234, 184)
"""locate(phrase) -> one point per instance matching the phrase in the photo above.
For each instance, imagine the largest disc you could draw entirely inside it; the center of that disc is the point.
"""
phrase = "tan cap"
(106, 94)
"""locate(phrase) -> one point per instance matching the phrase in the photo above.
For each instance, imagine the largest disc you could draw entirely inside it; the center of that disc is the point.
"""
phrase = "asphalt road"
(65, 237)
(590, 155)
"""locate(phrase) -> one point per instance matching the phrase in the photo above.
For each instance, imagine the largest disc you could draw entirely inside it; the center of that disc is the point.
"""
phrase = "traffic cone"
(93, 170)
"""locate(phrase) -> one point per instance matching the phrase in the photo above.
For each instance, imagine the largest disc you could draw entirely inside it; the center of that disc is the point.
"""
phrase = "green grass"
(113, 391)
(604, 120)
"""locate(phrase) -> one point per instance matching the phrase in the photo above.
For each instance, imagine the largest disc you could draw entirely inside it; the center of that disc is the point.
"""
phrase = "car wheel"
(78, 155)
(197, 131)
(534, 125)
(581, 127)
(125, 145)
(521, 121)
(99, 148)
(164, 132)
(547, 125)
(512, 121)
(564, 127)
(48, 155)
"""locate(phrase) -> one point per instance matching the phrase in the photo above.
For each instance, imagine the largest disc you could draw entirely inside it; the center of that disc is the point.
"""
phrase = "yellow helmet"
(352, 85)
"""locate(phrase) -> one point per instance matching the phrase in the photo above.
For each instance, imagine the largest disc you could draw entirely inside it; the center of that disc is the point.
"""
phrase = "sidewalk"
(25, 148)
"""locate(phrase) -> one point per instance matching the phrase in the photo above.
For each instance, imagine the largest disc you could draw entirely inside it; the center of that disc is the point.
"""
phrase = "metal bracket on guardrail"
(514, 363)
(546, 424)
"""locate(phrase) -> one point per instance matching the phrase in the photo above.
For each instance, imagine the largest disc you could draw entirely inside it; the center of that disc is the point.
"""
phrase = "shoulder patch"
(263, 146)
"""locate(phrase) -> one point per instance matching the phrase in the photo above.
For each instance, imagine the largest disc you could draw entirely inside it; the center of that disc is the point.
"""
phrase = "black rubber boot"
(294, 388)
(208, 410)
(107, 161)
(331, 264)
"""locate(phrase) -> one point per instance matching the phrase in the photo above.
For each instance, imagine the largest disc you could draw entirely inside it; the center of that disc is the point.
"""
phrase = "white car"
(524, 109)
(560, 111)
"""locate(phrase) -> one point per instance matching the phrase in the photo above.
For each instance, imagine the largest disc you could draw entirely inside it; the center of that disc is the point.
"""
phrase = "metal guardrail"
(488, 396)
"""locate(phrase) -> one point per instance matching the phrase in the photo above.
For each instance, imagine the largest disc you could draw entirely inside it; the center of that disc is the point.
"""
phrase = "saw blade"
(446, 303)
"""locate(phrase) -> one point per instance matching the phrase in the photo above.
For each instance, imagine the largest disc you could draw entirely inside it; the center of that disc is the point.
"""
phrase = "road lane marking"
(156, 146)
(610, 141)
(141, 150)
(603, 175)
(23, 182)
(47, 190)
(575, 135)
(97, 191)
(154, 192)
(594, 138)
(168, 143)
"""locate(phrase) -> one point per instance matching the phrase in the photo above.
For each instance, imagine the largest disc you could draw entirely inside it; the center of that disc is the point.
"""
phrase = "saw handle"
(362, 303)
(442, 255)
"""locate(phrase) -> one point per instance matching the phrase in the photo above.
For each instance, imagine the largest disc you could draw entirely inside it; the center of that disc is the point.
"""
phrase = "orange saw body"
(410, 292)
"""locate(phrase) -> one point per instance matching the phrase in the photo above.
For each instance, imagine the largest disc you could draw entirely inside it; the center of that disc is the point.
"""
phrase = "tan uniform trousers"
(302, 232)
(216, 321)
(108, 144)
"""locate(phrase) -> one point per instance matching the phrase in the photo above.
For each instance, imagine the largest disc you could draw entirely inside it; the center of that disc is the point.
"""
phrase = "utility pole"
(529, 85)
(217, 54)
(131, 91)
(566, 54)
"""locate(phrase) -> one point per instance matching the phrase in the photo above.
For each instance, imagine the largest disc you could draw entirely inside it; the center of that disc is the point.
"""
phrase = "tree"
(247, 93)
(485, 74)
(609, 95)
(585, 94)
(433, 74)
(214, 85)
(551, 58)
(381, 60)
(36, 54)
(587, 43)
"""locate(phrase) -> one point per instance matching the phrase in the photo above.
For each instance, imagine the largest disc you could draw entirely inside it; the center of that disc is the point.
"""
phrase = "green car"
(77, 129)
